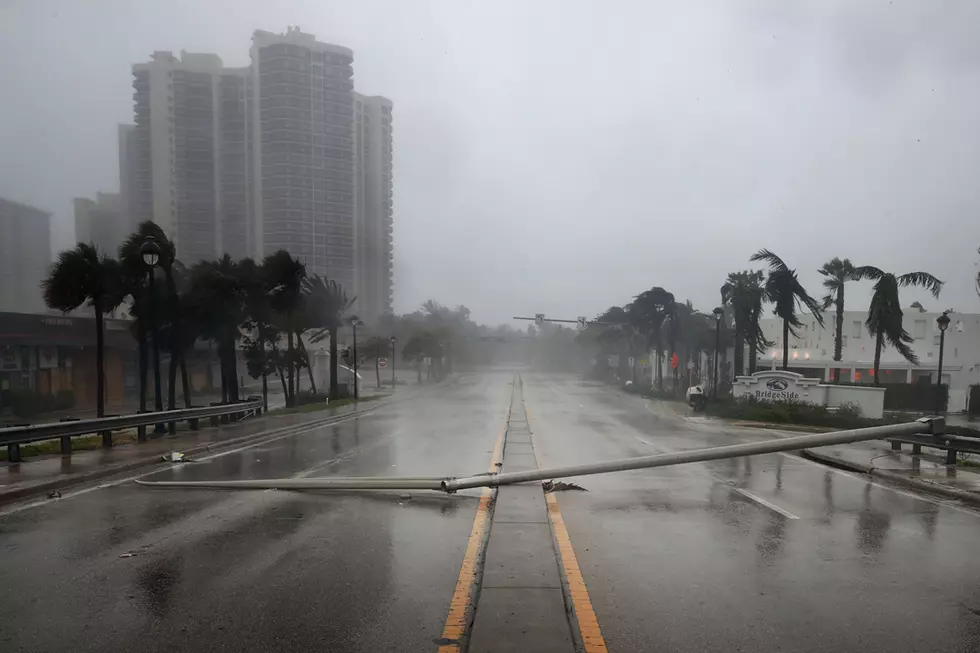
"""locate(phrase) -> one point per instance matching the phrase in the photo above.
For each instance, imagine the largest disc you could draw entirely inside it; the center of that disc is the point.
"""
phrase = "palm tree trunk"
(377, 372)
(309, 365)
(282, 379)
(185, 385)
(291, 394)
(265, 393)
(739, 352)
(99, 360)
(839, 338)
(660, 368)
(333, 363)
(753, 350)
(144, 362)
(172, 388)
(785, 344)
(877, 356)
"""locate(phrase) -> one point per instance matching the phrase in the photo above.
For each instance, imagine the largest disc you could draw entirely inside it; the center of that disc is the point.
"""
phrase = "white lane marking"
(68, 495)
(763, 502)
(644, 441)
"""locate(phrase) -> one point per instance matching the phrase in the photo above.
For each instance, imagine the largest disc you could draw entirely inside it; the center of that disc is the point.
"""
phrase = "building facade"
(812, 351)
(184, 156)
(101, 222)
(302, 152)
(25, 256)
(374, 243)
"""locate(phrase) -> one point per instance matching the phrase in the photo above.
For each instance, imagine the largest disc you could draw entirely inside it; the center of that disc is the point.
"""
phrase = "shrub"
(849, 409)
(306, 397)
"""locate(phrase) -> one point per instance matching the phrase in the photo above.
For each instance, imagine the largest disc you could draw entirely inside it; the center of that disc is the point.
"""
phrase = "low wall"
(870, 399)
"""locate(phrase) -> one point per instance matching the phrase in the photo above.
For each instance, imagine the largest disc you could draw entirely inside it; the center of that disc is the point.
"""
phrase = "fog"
(559, 157)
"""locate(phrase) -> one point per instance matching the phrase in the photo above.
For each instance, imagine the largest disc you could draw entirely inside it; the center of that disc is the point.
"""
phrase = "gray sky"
(561, 156)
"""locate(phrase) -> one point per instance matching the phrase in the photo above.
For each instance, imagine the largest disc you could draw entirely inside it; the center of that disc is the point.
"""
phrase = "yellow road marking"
(463, 594)
(588, 625)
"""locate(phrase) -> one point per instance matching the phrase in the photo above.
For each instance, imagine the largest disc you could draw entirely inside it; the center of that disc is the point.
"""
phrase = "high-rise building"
(302, 152)
(179, 140)
(25, 256)
(373, 205)
(127, 160)
(100, 222)
(234, 163)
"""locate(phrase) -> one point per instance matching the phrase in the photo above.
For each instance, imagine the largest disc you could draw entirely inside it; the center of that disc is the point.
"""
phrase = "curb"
(900, 479)
(9, 496)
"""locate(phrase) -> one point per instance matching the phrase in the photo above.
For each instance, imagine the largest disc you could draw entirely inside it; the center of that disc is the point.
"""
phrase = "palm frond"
(775, 263)
(868, 272)
(921, 280)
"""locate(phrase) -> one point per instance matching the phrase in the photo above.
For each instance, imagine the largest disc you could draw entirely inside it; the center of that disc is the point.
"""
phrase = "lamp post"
(719, 312)
(393, 340)
(150, 251)
(354, 322)
(943, 323)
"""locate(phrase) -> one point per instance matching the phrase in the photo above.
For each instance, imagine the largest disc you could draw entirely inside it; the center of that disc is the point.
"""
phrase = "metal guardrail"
(65, 430)
(953, 440)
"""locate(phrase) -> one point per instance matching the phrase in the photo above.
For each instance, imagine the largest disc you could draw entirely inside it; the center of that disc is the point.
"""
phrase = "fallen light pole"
(934, 426)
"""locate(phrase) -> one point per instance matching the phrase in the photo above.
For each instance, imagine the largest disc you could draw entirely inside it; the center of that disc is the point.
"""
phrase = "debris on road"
(131, 554)
(54, 495)
(560, 486)
(175, 457)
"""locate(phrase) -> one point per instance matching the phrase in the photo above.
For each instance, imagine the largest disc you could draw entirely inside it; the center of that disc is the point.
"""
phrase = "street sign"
(690, 365)
(674, 361)
(582, 321)
(632, 362)
(539, 318)
(382, 363)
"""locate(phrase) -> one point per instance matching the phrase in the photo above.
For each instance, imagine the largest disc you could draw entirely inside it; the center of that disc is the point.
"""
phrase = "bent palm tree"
(837, 273)
(648, 312)
(783, 289)
(326, 304)
(83, 275)
(744, 292)
(885, 312)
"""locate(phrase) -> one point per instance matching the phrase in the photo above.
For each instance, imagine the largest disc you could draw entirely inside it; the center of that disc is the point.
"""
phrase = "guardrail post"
(896, 446)
(215, 420)
(916, 449)
(107, 436)
(13, 453)
(66, 439)
(951, 456)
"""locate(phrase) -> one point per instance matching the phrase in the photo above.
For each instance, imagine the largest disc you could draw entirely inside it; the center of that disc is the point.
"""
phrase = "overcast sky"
(561, 156)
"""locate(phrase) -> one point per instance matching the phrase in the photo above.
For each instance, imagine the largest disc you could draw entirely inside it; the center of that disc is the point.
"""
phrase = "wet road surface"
(129, 568)
(769, 553)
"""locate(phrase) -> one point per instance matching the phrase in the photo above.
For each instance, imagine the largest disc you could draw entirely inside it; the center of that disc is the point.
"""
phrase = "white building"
(812, 351)
(373, 239)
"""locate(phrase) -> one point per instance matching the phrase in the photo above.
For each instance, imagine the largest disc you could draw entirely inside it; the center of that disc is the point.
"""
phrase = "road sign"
(632, 362)
(582, 321)
(539, 318)
(690, 365)
(674, 361)
(382, 363)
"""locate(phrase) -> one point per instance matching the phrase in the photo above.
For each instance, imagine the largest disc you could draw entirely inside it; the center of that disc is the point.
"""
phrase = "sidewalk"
(923, 472)
(42, 474)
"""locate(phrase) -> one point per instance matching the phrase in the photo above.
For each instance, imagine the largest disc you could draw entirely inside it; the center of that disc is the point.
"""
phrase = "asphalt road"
(129, 568)
(771, 553)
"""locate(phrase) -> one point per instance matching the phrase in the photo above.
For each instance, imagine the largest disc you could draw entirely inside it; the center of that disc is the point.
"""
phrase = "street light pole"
(150, 251)
(353, 324)
(943, 323)
(393, 339)
(719, 312)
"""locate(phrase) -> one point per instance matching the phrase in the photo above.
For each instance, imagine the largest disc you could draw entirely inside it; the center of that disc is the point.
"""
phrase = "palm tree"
(326, 305)
(744, 291)
(284, 277)
(837, 273)
(81, 275)
(648, 312)
(885, 313)
(783, 289)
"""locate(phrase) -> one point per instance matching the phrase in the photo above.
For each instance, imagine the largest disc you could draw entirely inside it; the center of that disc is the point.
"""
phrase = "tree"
(885, 312)
(81, 275)
(744, 292)
(783, 289)
(647, 313)
(326, 305)
(284, 277)
(837, 272)
(217, 295)
(376, 347)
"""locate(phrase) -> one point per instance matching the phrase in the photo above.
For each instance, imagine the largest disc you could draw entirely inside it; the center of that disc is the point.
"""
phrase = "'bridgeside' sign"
(777, 390)
(775, 385)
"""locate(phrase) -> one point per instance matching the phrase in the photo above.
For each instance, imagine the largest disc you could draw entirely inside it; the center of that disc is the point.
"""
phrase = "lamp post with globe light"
(943, 323)
(150, 252)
